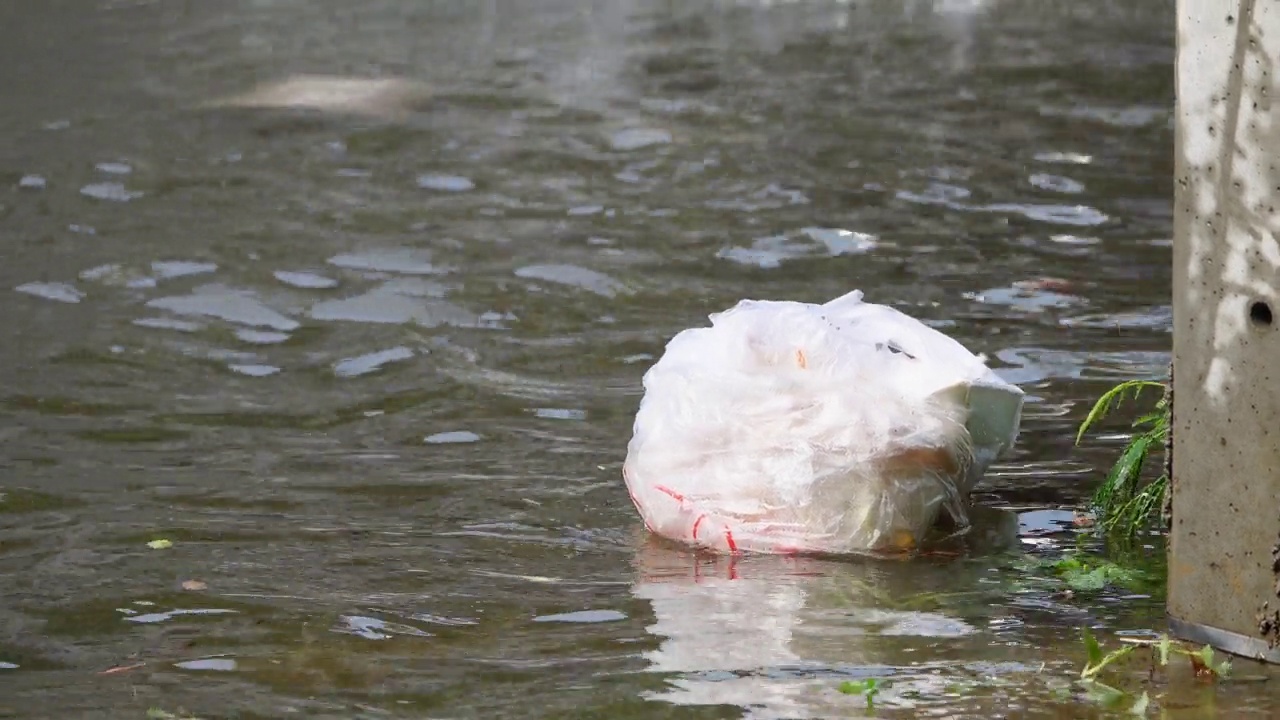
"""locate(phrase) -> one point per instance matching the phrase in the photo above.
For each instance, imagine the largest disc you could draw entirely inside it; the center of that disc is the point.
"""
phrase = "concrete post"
(1223, 587)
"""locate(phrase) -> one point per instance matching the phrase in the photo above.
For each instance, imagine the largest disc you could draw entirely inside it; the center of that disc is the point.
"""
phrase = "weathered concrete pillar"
(1226, 298)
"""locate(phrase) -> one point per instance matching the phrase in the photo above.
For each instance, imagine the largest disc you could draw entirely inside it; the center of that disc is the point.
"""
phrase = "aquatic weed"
(867, 688)
(1091, 566)
(1083, 573)
(1110, 694)
(1123, 502)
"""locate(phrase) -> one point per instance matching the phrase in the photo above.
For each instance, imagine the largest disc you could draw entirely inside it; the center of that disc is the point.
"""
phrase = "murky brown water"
(370, 365)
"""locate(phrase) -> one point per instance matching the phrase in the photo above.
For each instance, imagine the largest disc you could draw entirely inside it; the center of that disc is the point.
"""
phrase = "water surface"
(351, 302)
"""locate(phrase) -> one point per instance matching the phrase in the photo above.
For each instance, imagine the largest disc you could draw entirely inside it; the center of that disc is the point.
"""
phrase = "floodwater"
(350, 303)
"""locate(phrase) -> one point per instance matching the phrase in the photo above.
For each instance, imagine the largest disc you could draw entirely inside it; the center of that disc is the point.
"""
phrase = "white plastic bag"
(790, 427)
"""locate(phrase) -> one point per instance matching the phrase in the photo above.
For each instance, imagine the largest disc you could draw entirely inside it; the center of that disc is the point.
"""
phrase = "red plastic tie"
(728, 536)
(669, 491)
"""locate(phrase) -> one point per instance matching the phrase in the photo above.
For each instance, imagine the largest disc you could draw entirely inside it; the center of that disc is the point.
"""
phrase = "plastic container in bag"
(788, 427)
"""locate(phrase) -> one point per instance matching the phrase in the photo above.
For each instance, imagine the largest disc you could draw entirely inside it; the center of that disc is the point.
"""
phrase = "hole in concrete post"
(1260, 314)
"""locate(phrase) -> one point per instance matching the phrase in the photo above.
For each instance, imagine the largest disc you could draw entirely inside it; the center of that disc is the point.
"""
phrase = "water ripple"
(225, 303)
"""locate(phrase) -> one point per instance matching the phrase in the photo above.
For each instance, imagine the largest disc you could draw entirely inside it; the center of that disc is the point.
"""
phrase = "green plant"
(867, 688)
(1161, 651)
(1124, 503)
(1083, 573)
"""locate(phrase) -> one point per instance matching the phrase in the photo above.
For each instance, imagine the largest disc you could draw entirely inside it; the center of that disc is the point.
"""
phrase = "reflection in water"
(768, 633)
(388, 98)
(723, 632)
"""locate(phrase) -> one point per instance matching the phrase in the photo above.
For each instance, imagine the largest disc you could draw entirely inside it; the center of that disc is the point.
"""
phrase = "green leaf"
(1091, 580)
(1123, 502)
(1140, 707)
(1115, 655)
(1124, 474)
(1070, 563)
(1103, 694)
(160, 544)
(859, 687)
(1163, 647)
(1131, 516)
(868, 688)
(1092, 648)
(1206, 656)
(961, 687)
(1202, 663)
(1111, 399)
(1153, 420)
(1084, 574)
(1096, 660)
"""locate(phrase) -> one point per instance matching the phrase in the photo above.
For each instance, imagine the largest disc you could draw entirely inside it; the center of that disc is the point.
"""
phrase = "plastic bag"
(790, 427)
